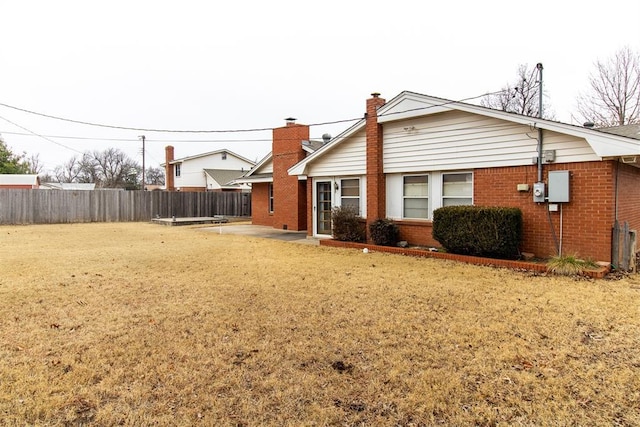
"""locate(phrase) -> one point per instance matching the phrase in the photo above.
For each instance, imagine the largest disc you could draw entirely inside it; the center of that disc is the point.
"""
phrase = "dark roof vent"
(588, 125)
(326, 138)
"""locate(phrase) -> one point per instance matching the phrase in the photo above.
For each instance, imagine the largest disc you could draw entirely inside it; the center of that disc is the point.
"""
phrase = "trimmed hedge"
(384, 232)
(347, 226)
(493, 232)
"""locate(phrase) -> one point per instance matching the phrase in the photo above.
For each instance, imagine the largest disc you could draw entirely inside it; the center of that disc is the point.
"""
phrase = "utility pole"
(142, 137)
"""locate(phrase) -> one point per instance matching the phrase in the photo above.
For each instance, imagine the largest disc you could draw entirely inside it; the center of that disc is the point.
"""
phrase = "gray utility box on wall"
(558, 191)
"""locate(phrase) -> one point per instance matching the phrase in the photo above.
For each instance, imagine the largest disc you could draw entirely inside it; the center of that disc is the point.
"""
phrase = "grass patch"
(569, 265)
(137, 324)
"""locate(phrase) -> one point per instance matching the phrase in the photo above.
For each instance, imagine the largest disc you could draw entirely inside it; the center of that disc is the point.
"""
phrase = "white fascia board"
(604, 146)
(246, 180)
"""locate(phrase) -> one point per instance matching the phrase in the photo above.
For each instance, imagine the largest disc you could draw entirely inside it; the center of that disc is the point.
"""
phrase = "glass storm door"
(323, 207)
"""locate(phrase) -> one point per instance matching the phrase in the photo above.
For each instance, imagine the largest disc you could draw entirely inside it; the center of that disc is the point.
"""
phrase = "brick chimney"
(168, 168)
(376, 189)
(289, 193)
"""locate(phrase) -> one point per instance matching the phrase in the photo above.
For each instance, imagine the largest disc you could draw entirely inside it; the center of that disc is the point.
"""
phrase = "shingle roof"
(224, 177)
(630, 131)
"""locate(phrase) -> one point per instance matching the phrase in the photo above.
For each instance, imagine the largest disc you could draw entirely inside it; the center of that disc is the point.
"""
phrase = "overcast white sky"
(209, 65)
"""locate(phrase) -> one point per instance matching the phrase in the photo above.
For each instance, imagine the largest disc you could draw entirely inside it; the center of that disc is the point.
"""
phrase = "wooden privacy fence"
(67, 206)
(623, 247)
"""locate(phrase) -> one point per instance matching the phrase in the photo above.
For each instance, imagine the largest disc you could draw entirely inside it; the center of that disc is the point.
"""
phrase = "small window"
(224, 156)
(415, 196)
(270, 197)
(177, 166)
(457, 189)
(350, 194)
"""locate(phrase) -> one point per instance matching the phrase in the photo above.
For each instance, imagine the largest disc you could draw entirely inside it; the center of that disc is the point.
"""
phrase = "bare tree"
(34, 164)
(613, 97)
(154, 176)
(110, 168)
(520, 97)
(68, 171)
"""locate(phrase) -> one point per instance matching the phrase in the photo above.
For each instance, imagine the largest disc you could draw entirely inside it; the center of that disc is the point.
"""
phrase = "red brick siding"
(417, 232)
(168, 168)
(310, 204)
(18, 187)
(628, 195)
(260, 214)
(587, 218)
(289, 194)
(376, 192)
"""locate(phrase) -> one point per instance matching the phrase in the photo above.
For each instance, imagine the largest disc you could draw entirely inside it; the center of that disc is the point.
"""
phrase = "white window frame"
(465, 197)
(428, 198)
(358, 197)
(178, 167)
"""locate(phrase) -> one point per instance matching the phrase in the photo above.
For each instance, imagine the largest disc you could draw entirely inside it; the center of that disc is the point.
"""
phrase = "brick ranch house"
(416, 153)
(278, 199)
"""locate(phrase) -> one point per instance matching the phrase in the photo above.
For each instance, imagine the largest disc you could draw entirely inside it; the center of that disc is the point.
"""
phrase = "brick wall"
(310, 212)
(587, 218)
(18, 187)
(376, 191)
(289, 194)
(168, 168)
(260, 214)
(628, 195)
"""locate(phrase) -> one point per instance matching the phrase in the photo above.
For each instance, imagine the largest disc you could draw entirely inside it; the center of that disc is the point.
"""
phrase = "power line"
(446, 102)
(40, 136)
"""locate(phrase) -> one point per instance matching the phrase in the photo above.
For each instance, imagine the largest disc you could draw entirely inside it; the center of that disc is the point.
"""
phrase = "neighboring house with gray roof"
(223, 180)
(211, 171)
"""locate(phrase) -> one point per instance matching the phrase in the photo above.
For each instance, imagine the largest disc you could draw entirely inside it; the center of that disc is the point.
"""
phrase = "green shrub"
(384, 232)
(346, 225)
(493, 232)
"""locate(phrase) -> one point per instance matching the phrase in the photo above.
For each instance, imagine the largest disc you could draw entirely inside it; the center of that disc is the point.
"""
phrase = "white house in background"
(212, 171)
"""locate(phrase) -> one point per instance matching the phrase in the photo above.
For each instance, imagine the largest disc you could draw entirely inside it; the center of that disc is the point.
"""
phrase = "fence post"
(615, 244)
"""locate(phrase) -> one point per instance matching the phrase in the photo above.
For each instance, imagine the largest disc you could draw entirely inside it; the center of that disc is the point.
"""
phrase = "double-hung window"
(350, 194)
(457, 189)
(415, 196)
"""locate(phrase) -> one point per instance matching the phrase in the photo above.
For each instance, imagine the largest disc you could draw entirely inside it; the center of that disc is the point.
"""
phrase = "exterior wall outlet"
(553, 207)
(523, 187)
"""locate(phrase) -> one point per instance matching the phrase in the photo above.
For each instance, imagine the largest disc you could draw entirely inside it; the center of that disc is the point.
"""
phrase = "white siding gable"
(192, 169)
(348, 158)
(266, 167)
(410, 105)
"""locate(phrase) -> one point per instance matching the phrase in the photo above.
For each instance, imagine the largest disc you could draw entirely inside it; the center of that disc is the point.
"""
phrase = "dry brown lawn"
(139, 324)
